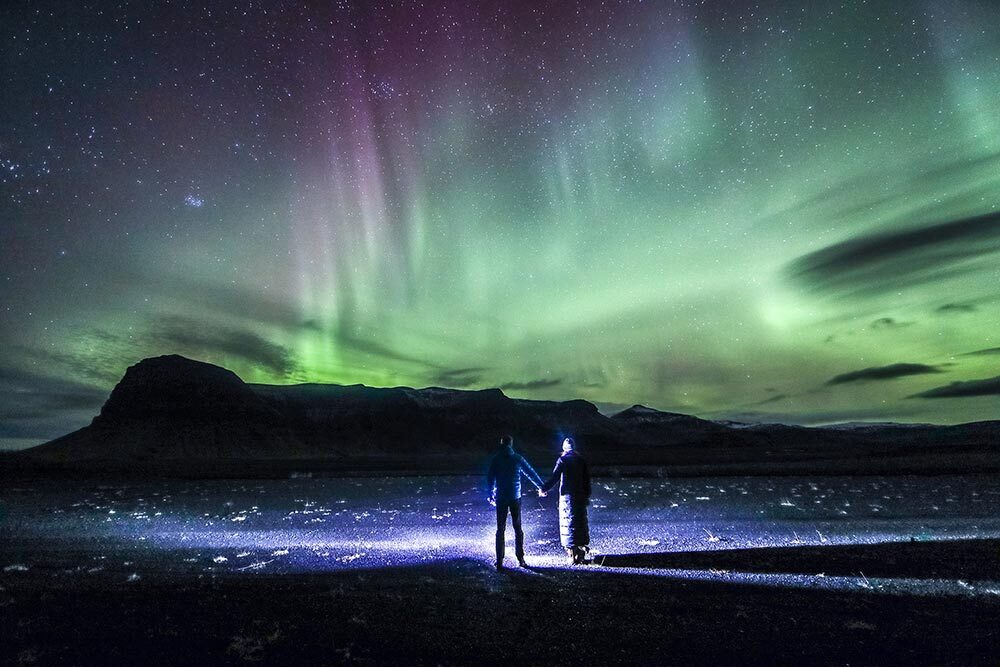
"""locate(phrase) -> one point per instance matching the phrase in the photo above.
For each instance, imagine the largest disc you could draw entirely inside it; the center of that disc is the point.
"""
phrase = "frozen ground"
(699, 569)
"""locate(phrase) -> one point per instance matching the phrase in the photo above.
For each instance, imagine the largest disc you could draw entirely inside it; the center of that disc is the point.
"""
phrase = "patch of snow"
(351, 557)
(256, 566)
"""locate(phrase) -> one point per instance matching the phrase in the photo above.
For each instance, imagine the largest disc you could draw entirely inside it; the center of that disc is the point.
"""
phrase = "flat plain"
(825, 570)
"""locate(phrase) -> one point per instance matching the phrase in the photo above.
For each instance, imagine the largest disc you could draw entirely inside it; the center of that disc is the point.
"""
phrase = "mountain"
(173, 414)
(174, 408)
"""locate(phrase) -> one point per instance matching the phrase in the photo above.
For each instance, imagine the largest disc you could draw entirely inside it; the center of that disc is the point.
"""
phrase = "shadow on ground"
(937, 559)
(461, 611)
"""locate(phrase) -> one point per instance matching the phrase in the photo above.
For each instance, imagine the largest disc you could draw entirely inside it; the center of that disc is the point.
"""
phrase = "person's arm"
(551, 481)
(586, 479)
(491, 481)
(530, 473)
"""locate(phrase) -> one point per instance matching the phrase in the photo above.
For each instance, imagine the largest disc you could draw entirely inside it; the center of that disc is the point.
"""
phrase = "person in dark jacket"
(503, 483)
(573, 478)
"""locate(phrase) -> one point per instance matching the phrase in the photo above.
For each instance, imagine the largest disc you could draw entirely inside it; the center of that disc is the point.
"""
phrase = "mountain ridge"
(171, 411)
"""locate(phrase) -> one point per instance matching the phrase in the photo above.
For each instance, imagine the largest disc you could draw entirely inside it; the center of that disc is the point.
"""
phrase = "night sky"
(756, 211)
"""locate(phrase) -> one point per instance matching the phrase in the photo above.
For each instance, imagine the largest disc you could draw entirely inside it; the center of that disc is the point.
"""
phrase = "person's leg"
(585, 532)
(515, 519)
(566, 529)
(581, 530)
(501, 530)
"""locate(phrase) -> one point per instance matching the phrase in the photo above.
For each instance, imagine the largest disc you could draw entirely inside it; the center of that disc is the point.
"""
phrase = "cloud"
(889, 323)
(37, 407)
(189, 336)
(45, 405)
(890, 372)
(30, 395)
(987, 351)
(458, 378)
(817, 418)
(532, 384)
(987, 387)
(225, 298)
(372, 348)
(955, 308)
(859, 194)
(771, 399)
(100, 364)
(880, 263)
(346, 337)
(959, 169)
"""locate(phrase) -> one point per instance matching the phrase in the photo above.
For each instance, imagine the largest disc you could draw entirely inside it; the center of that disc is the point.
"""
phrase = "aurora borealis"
(759, 211)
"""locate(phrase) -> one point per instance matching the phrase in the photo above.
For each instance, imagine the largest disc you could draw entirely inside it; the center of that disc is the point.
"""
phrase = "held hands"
(542, 494)
(492, 500)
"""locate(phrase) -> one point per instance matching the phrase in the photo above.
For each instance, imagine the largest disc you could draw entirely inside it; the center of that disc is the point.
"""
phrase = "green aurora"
(787, 212)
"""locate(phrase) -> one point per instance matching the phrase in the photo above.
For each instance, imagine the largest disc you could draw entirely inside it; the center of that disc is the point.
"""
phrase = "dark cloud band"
(883, 262)
(188, 336)
(532, 384)
(986, 352)
(987, 387)
(458, 378)
(890, 372)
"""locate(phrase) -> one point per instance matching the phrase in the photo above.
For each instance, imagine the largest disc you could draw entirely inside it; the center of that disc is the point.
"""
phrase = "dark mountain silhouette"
(173, 414)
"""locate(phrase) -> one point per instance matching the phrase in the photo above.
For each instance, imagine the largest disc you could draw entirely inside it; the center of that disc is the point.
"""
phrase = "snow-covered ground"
(243, 527)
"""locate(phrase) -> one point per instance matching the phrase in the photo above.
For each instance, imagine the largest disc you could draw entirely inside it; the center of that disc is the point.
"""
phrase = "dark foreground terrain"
(378, 570)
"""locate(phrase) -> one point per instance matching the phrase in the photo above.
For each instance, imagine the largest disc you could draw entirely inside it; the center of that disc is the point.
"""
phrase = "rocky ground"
(378, 570)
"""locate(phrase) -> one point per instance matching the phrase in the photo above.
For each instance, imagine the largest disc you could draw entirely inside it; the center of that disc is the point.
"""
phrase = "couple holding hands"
(503, 481)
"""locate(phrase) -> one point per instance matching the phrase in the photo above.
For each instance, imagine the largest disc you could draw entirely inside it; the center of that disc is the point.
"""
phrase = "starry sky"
(763, 211)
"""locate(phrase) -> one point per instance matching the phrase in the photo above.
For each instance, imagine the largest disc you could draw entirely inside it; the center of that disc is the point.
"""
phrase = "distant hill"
(175, 415)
